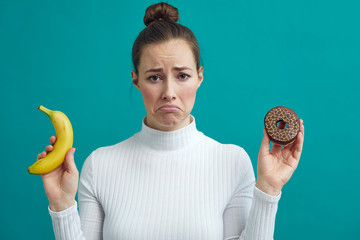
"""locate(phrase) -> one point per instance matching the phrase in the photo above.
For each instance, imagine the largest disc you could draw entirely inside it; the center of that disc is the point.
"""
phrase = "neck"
(165, 141)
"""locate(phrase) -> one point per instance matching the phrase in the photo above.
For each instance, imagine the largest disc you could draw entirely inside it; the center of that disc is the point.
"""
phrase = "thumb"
(69, 163)
(265, 145)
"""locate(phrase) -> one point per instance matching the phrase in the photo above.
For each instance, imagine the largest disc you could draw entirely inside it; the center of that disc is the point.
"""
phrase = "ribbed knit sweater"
(173, 185)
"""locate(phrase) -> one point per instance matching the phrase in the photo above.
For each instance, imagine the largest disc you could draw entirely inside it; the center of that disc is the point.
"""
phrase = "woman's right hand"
(60, 184)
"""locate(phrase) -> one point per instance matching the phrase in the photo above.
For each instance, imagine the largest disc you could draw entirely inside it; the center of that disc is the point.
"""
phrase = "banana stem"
(45, 110)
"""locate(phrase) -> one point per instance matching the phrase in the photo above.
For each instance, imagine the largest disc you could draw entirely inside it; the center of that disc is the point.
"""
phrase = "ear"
(200, 75)
(135, 79)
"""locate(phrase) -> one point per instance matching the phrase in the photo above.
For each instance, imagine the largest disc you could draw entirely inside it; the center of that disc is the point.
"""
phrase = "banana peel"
(64, 142)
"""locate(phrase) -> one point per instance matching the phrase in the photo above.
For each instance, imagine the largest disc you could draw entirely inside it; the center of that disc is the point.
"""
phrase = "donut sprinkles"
(284, 136)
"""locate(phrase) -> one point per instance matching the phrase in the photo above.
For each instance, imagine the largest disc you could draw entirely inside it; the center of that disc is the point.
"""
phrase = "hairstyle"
(161, 25)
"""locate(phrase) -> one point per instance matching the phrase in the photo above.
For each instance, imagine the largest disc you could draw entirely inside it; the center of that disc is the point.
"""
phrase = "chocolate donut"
(284, 136)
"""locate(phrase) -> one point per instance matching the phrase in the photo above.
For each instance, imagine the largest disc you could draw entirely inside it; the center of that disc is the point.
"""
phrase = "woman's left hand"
(276, 167)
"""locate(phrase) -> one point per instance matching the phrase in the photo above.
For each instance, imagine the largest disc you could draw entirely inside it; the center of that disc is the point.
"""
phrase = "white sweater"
(168, 185)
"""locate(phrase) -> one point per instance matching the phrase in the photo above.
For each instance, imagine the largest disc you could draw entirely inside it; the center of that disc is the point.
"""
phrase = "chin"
(170, 120)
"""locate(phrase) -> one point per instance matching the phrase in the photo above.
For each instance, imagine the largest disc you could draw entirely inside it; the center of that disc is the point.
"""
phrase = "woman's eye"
(154, 78)
(184, 76)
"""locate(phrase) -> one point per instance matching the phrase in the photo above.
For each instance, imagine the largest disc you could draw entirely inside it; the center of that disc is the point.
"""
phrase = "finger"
(49, 148)
(69, 162)
(52, 140)
(275, 148)
(302, 128)
(289, 146)
(41, 155)
(265, 144)
(297, 148)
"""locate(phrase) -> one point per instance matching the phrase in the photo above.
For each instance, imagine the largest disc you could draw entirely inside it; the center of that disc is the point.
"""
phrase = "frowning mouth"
(168, 108)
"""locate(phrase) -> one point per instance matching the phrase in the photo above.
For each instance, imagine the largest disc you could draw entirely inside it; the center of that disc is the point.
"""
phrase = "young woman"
(169, 181)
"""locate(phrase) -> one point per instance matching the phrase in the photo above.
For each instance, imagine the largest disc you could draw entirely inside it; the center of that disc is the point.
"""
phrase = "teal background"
(75, 56)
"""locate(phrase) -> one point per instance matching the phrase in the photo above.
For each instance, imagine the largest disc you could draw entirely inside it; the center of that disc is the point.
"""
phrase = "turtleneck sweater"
(172, 185)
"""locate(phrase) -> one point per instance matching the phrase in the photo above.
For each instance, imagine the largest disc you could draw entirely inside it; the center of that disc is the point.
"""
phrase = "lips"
(169, 108)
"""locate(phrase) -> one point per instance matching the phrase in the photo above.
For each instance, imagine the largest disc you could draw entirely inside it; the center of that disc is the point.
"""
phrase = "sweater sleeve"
(250, 213)
(86, 223)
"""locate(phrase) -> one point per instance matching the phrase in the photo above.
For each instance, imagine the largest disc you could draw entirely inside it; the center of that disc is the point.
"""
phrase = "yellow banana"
(64, 142)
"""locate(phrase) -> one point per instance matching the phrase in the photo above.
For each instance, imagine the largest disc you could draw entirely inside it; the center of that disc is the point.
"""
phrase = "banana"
(64, 142)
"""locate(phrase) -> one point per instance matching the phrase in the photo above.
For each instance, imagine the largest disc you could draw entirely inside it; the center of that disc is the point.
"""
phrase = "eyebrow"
(175, 68)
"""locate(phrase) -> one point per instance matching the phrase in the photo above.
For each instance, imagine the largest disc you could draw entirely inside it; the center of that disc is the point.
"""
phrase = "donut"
(284, 136)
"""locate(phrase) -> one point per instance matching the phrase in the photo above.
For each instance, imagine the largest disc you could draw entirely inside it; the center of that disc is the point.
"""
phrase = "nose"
(169, 93)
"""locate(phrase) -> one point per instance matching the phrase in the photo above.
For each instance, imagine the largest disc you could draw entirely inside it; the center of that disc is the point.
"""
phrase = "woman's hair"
(161, 21)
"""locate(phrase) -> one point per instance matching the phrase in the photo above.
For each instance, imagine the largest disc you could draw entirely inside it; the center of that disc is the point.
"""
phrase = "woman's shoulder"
(226, 148)
(215, 143)
(113, 148)
(107, 155)
(229, 153)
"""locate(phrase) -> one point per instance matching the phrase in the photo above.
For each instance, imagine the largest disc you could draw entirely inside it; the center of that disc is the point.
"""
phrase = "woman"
(169, 181)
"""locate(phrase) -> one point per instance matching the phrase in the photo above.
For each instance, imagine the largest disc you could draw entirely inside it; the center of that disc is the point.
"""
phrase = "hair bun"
(161, 11)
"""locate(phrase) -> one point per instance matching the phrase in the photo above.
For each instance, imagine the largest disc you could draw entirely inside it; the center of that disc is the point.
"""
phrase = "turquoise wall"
(75, 56)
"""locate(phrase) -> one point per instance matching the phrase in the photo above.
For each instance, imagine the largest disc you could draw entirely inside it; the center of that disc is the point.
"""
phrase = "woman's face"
(168, 80)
